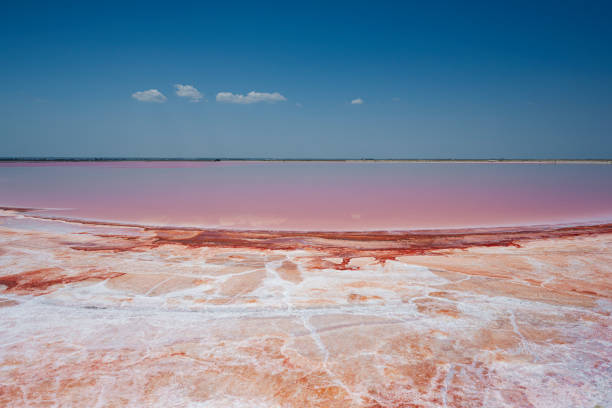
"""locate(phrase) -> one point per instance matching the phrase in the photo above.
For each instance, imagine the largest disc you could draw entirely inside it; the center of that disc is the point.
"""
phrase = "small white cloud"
(396, 99)
(188, 91)
(357, 101)
(251, 97)
(152, 95)
(299, 105)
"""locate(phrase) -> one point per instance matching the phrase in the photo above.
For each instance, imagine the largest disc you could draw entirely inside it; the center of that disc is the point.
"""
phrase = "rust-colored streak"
(357, 298)
(381, 242)
(18, 209)
(7, 302)
(382, 245)
(39, 281)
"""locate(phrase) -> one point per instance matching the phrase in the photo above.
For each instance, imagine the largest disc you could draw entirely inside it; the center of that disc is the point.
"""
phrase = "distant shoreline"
(281, 160)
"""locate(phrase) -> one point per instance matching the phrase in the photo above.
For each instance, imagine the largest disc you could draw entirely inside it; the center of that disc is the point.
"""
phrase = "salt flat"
(108, 315)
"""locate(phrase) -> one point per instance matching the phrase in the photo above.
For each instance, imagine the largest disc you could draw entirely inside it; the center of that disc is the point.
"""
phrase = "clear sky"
(375, 79)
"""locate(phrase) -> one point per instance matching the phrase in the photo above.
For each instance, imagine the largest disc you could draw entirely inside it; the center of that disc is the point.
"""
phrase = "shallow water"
(313, 196)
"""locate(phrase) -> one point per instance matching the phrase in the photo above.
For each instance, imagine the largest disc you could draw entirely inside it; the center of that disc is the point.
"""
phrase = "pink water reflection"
(314, 196)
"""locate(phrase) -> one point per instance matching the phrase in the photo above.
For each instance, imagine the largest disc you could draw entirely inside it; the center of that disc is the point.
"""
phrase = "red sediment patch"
(40, 281)
(290, 272)
(357, 298)
(379, 245)
(435, 307)
(323, 262)
(516, 398)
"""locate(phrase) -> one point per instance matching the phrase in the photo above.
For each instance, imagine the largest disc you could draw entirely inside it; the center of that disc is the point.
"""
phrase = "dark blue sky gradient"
(438, 79)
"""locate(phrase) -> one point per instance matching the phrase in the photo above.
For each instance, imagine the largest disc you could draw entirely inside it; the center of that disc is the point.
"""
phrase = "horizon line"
(268, 159)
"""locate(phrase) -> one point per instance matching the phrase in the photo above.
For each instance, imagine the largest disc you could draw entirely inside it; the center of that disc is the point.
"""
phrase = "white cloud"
(188, 91)
(152, 95)
(357, 101)
(251, 97)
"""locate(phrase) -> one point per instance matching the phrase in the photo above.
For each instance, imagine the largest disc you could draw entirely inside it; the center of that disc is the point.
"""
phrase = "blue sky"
(436, 79)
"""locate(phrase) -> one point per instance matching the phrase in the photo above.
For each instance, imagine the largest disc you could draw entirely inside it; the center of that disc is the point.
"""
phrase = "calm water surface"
(313, 196)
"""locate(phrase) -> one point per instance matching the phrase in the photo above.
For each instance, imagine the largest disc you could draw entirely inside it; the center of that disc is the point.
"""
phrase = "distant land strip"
(254, 159)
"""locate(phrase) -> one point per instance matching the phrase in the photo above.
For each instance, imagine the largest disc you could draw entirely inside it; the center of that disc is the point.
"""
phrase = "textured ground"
(100, 315)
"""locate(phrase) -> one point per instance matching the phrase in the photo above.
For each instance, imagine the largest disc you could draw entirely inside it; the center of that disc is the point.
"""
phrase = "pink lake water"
(313, 195)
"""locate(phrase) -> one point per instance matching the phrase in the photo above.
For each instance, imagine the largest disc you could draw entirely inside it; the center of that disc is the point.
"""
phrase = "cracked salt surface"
(145, 325)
